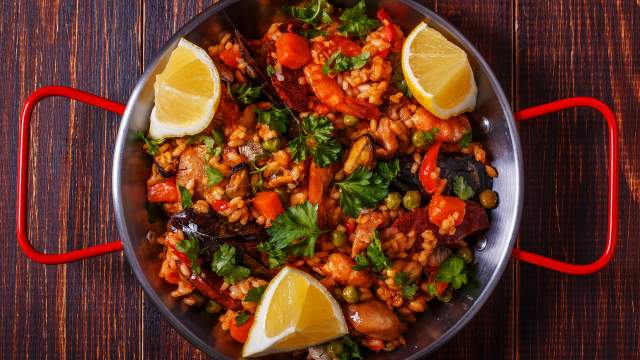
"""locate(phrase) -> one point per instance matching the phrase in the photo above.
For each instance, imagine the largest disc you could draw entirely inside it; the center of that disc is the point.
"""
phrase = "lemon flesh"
(187, 93)
(438, 73)
(296, 312)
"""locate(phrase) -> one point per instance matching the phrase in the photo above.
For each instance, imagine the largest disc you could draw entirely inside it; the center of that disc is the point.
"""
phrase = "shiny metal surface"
(131, 168)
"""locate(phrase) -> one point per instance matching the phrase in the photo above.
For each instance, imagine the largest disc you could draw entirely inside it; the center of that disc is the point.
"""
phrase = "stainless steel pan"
(493, 115)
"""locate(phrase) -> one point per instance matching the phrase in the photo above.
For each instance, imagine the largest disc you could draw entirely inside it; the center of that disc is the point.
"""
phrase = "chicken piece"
(191, 171)
(340, 268)
(375, 320)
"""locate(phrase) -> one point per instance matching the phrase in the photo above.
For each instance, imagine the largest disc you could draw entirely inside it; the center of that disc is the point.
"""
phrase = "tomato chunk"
(240, 333)
(268, 204)
(230, 56)
(292, 50)
(166, 191)
(442, 207)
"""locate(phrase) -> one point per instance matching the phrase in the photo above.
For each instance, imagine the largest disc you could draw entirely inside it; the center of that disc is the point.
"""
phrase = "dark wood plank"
(489, 26)
(79, 309)
(569, 48)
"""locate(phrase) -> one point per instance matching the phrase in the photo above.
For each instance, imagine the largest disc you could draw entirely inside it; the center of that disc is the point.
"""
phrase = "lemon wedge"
(296, 312)
(438, 73)
(187, 93)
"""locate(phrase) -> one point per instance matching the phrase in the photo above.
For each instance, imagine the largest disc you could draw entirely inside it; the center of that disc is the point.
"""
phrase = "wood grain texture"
(540, 51)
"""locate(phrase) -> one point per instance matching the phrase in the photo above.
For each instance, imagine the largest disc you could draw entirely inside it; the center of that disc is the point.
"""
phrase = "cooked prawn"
(340, 268)
(449, 130)
(386, 138)
(329, 92)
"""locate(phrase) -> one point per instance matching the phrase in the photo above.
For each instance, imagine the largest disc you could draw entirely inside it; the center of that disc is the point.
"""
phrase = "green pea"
(351, 294)
(446, 296)
(335, 348)
(350, 120)
(393, 200)
(488, 199)
(419, 139)
(411, 200)
(338, 238)
(466, 254)
(271, 145)
(213, 307)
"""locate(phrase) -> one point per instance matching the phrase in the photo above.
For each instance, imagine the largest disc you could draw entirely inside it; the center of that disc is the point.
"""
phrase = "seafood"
(340, 268)
(449, 130)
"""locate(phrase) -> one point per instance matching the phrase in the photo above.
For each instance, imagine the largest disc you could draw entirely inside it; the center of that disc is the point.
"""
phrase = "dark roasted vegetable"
(473, 172)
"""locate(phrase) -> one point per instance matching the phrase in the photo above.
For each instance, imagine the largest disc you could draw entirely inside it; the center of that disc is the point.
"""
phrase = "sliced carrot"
(292, 50)
(166, 191)
(268, 204)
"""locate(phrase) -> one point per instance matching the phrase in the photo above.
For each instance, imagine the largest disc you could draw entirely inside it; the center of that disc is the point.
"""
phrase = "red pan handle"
(23, 175)
(612, 232)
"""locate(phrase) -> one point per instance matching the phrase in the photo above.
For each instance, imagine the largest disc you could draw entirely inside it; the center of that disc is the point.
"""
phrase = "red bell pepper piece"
(350, 225)
(292, 50)
(428, 173)
(442, 207)
(219, 205)
(166, 191)
(240, 333)
(230, 56)
(389, 30)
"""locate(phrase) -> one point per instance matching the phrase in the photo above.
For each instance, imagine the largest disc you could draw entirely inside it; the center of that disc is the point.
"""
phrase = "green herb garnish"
(461, 189)
(277, 119)
(316, 140)
(398, 81)
(466, 140)
(244, 93)
(191, 248)
(152, 144)
(314, 12)
(337, 62)
(241, 318)
(214, 176)
(185, 197)
(351, 349)
(224, 264)
(271, 71)
(292, 233)
(355, 21)
(409, 289)
(364, 189)
(452, 271)
(255, 294)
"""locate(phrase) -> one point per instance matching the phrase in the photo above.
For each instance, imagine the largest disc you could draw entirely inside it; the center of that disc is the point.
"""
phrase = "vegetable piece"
(351, 349)
(268, 204)
(191, 248)
(488, 199)
(411, 200)
(355, 21)
(254, 294)
(350, 120)
(185, 197)
(277, 119)
(165, 191)
(389, 29)
(346, 46)
(219, 205)
(452, 271)
(316, 140)
(292, 233)
(230, 56)
(240, 326)
(401, 279)
(364, 189)
(338, 238)
(271, 145)
(393, 201)
(350, 225)
(151, 144)
(461, 189)
(244, 93)
(428, 173)
(214, 176)
(398, 81)
(224, 264)
(337, 62)
(466, 140)
(375, 254)
(319, 179)
(315, 12)
(351, 294)
(292, 50)
(442, 208)
(422, 138)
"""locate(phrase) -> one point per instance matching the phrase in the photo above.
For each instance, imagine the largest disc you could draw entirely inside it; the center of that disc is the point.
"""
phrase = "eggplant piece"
(473, 172)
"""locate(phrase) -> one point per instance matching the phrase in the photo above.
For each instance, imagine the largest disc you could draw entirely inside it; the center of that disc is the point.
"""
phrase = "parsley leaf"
(185, 197)
(224, 264)
(271, 71)
(313, 32)
(313, 13)
(362, 262)
(244, 93)
(351, 349)
(408, 289)
(213, 144)
(293, 232)
(466, 140)
(337, 62)
(316, 140)
(461, 189)
(364, 189)
(375, 254)
(255, 294)
(452, 271)
(356, 22)
(152, 144)
(214, 176)
(277, 119)
(241, 318)
(191, 248)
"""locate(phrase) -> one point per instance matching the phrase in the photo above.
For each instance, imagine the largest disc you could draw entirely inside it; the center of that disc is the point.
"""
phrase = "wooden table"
(540, 51)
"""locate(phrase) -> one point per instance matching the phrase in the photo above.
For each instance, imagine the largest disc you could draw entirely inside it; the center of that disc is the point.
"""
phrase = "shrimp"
(340, 268)
(375, 320)
(386, 138)
(362, 234)
(329, 92)
(449, 130)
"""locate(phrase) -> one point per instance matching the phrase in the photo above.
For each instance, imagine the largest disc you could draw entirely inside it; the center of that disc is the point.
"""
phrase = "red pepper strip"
(219, 205)
(179, 254)
(383, 54)
(428, 175)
